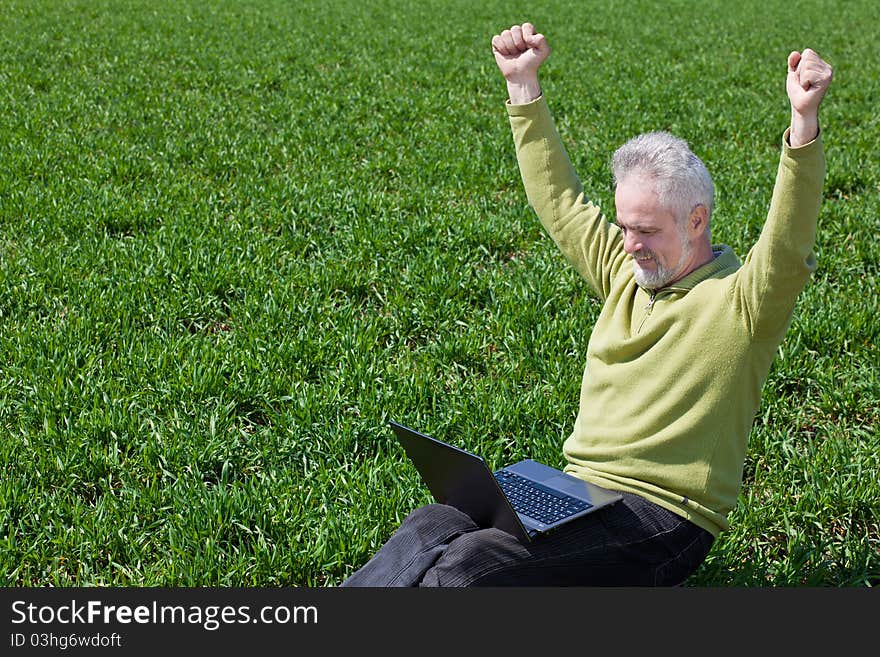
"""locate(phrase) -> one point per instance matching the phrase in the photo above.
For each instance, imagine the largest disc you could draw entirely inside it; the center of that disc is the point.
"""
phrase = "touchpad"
(568, 484)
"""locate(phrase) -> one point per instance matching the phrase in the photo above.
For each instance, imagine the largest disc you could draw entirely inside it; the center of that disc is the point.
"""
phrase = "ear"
(698, 220)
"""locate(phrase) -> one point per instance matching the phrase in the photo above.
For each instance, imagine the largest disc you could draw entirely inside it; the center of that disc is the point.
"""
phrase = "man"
(676, 359)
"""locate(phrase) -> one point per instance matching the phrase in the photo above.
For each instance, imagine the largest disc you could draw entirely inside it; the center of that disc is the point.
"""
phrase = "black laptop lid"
(460, 479)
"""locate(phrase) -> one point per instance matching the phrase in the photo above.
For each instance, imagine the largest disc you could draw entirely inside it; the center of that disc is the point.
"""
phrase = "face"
(659, 245)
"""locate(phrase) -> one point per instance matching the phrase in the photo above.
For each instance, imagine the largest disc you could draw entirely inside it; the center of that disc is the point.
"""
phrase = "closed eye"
(637, 231)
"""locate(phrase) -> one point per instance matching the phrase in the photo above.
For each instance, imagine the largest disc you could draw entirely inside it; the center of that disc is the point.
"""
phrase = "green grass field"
(237, 238)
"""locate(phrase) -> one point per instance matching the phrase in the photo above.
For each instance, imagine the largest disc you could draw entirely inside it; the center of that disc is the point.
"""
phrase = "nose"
(631, 244)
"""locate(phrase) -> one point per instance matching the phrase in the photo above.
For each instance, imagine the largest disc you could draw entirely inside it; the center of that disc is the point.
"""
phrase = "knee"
(433, 516)
(485, 545)
(474, 556)
(430, 511)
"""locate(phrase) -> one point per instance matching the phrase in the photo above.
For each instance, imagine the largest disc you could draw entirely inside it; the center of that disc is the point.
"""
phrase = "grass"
(237, 238)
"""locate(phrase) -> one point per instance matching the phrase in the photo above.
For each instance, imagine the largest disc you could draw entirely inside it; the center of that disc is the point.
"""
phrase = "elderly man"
(676, 359)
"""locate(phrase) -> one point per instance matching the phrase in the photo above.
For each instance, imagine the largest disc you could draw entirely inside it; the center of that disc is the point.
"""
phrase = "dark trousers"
(631, 543)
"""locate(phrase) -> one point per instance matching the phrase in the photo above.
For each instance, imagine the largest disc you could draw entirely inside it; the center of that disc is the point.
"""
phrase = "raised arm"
(591, 244)
(779, 265)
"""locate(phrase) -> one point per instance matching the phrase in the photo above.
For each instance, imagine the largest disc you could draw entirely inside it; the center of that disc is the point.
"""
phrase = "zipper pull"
(651, 300)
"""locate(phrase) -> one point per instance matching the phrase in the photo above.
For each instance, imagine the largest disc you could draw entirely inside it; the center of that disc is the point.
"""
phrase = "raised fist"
(808, 79)
(519, 52)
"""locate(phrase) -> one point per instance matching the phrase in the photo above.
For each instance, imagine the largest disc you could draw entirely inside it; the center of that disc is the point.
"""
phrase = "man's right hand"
(519, 53)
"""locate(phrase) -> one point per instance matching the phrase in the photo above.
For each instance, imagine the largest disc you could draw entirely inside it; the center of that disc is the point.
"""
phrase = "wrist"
(524, 91)
(804, 128)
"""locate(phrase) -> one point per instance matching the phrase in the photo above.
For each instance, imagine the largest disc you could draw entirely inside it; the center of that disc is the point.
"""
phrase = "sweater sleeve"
(592, 245)
(780, 263)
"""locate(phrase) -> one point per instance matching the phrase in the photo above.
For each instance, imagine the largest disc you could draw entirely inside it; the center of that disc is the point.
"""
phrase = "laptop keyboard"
(536, 502)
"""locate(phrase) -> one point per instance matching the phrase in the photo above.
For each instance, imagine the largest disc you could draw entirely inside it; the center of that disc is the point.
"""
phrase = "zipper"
(650, 305)
(648, 308)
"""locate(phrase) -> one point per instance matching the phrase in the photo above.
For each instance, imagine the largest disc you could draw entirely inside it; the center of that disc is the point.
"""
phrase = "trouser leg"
(632, 543)
(416, 545)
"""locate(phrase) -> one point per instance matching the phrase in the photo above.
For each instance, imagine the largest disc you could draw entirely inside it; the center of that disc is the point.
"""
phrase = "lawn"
(236, 239)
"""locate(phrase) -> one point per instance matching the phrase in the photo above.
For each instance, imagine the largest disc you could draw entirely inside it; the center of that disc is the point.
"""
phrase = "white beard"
(661, 276)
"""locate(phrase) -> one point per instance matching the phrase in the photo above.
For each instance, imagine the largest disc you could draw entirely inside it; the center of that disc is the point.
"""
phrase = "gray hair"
(682, 180)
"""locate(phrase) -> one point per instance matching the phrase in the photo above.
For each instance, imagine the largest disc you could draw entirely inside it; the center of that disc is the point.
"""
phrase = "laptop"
(527, 499)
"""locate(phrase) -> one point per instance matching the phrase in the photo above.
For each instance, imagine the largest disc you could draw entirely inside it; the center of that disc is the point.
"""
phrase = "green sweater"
(672, 382)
